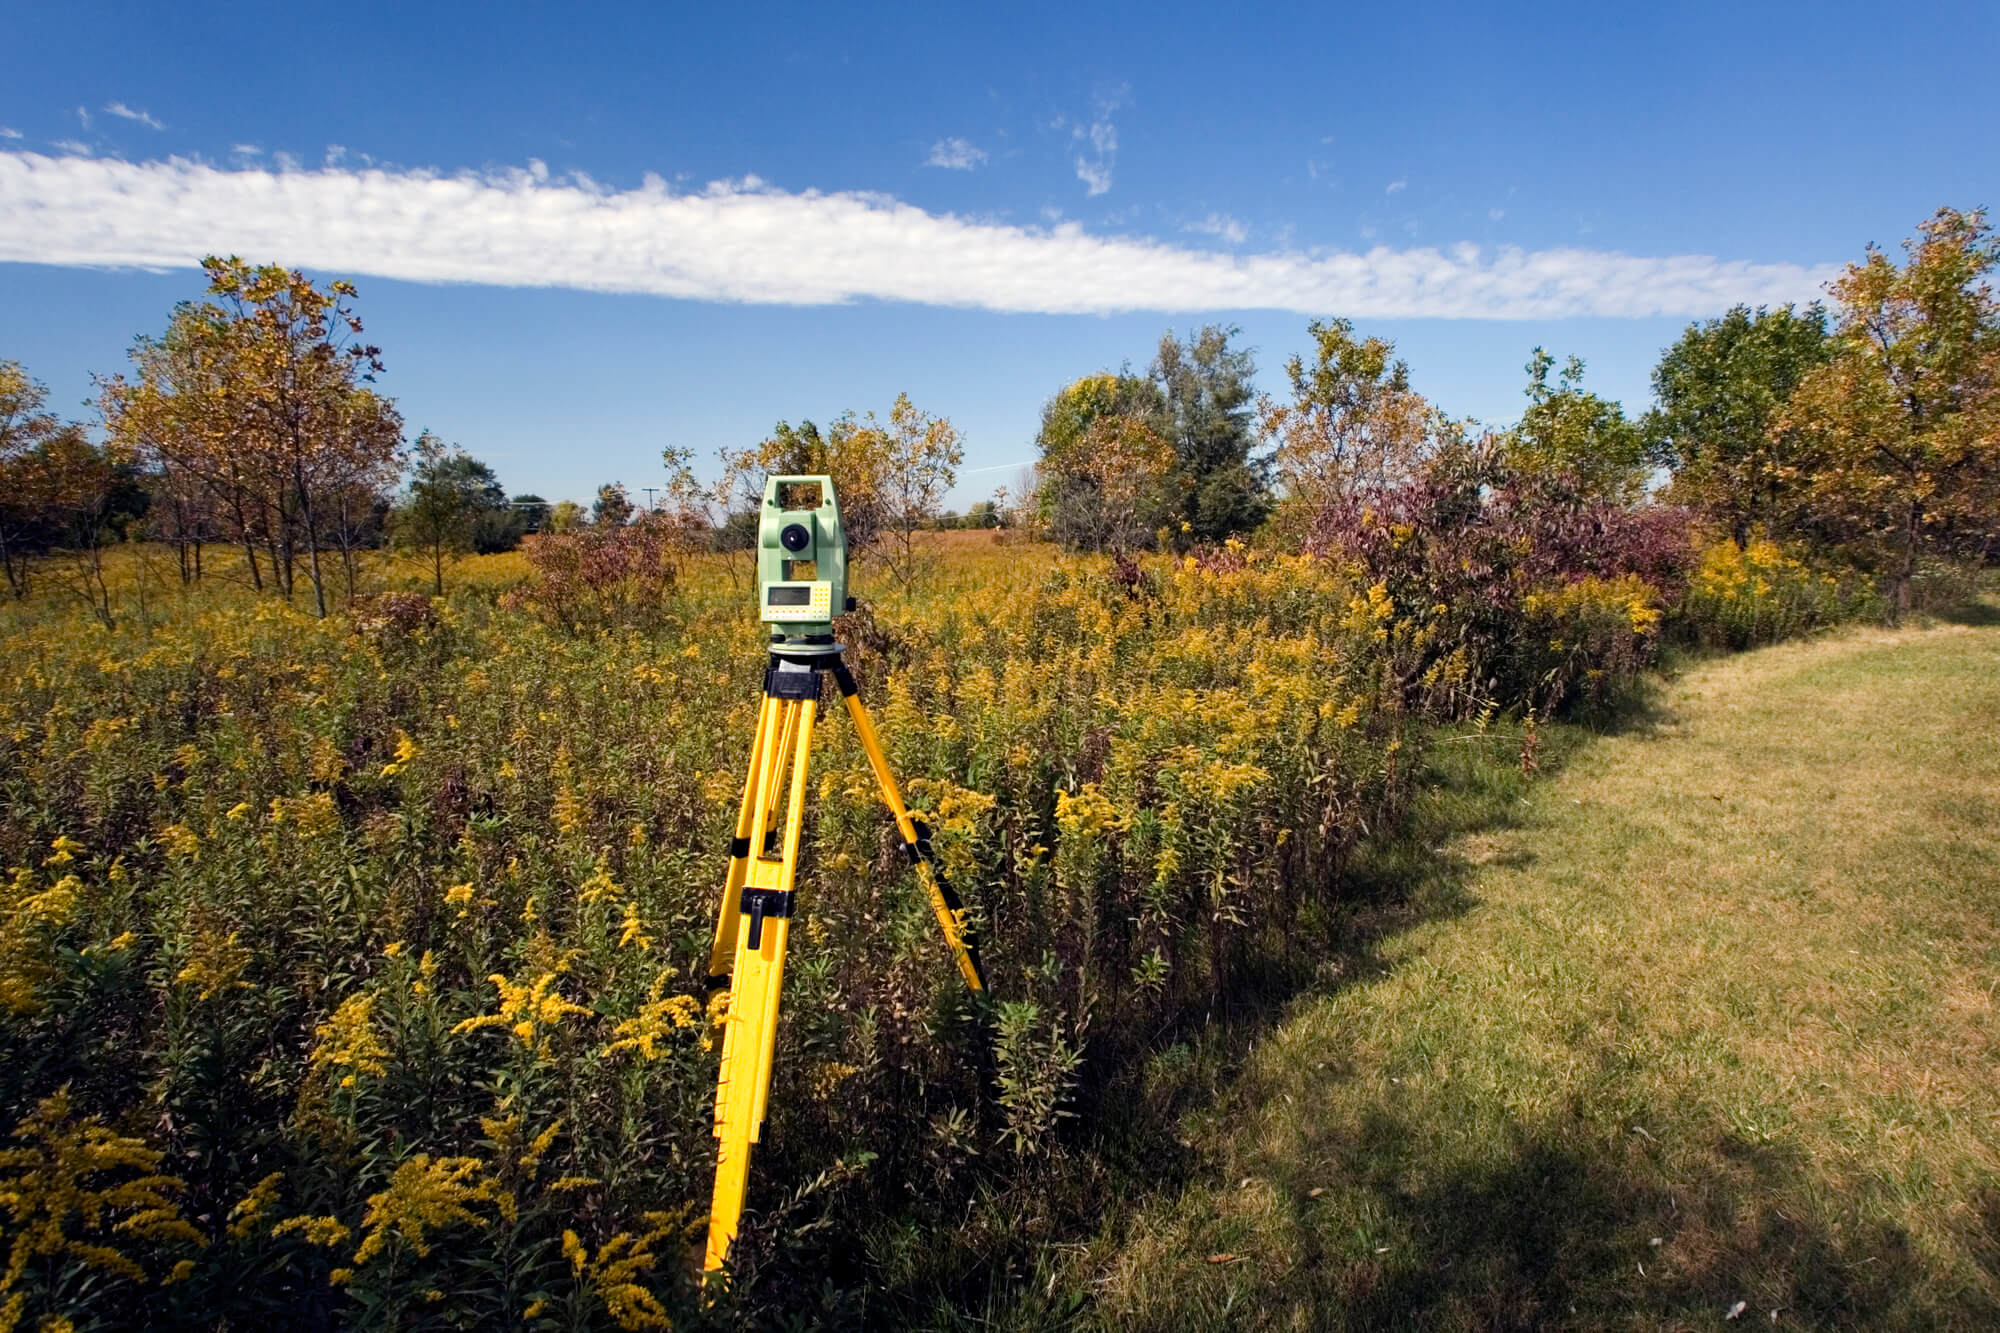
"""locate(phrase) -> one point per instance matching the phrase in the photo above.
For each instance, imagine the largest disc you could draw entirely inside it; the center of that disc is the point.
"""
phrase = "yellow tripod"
(749, 951)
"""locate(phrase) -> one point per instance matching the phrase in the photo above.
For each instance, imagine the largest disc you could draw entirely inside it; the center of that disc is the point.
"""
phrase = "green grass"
(1706, 1017)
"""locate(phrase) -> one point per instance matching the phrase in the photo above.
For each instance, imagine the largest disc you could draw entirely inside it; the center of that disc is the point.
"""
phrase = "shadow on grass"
(1553, 1235)
(1981, 614)
(998, 1263)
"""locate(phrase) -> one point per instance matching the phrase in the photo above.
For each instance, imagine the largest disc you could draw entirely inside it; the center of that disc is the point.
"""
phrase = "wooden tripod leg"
(750, 1031)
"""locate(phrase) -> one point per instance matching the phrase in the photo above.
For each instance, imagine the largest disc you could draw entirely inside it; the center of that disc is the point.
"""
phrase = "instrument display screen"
(783, 596)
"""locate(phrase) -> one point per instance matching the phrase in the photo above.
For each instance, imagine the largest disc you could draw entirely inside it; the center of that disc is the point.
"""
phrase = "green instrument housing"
(801, 563)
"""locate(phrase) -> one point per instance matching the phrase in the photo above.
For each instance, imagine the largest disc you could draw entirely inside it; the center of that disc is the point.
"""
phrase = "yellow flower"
(532, 1011)
(348, 1041)
(330, 1232)
(425, 1195)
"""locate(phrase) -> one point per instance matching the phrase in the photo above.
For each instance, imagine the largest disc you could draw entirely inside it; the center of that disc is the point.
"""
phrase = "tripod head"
(801, 563)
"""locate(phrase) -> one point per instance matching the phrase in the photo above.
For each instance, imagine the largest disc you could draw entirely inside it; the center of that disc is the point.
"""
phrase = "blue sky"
(583, 233)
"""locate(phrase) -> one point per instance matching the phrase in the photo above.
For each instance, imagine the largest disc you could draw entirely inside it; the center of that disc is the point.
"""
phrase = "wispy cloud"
(1397, 187)
(123, 112)
(9, 132)
(742, 242)
(1222, 226)
(955, 155)
(1097, 144)
(246, 150)
(73, 146)
(83, 116)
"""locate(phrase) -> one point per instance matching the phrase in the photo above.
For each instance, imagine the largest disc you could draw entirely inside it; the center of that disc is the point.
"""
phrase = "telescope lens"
(795, 537)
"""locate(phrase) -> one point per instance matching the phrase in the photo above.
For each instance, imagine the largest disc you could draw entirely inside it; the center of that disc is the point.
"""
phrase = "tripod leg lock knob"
(761, 903)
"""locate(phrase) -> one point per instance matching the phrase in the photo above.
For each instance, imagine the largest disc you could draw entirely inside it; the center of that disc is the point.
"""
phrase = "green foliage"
(454, 505)
(1569, 431)
(1205, 392)
(1124, 456)
(1720, 388)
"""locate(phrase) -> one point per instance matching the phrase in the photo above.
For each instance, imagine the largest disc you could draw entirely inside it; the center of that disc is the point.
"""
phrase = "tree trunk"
(1906, 569)
(312, 545)
(437, 567)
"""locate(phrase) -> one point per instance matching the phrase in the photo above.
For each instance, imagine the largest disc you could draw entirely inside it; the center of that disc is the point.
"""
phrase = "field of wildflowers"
(350, 968)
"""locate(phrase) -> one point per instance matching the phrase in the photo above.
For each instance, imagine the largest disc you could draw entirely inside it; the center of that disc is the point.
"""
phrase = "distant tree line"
(1871, 436)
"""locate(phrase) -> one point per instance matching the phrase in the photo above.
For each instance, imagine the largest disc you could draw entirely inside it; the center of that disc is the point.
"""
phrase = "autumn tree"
(26, 432)
(1353, 423)
(1107, 474)
(1902, 424)
(1718, 390)
(853, 453)
(1206, 414)
(263, 394)
(1569, 431)
(921, 454)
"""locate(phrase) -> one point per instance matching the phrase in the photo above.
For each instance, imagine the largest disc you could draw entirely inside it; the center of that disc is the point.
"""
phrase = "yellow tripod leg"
(750, 823)
(750, 1031)
(945, 904)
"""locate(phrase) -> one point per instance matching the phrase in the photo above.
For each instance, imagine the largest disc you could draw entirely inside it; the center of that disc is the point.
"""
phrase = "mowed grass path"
(1709, 1018)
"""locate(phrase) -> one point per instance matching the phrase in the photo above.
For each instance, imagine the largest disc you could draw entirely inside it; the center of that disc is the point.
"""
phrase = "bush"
(1506, 589)
(1759, 593)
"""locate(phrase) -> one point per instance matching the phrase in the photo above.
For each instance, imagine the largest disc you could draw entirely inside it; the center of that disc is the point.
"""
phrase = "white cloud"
(1222, 226)
(246, 150)
(124, 112)
(1094, 168)
(73, 146)
(742, 242)
(9, 132)
(83, 114)
(1397, 187)
(955, 155)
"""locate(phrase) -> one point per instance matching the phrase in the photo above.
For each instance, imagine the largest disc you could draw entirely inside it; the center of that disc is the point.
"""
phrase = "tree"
(261, 398)
(450, 493)
(1108, 473)
(567, 516)
(1719, 388)
(920, 462)
(533, 511)
(1568, 430)
(26, 431)
(853, 453)
(613, 508)
(77, 486)
(1205, 391)
(1353, 424)
(1902, 424)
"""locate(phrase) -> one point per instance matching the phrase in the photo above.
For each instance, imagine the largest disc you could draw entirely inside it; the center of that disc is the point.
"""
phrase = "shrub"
(1507, 589)
(1759, 593)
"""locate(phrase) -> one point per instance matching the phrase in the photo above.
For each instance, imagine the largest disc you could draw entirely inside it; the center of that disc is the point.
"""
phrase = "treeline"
(253, 424)
(1867, 438)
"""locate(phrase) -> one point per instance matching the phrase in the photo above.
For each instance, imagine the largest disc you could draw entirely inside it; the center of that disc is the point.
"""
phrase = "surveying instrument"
(801, 586)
